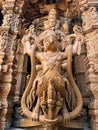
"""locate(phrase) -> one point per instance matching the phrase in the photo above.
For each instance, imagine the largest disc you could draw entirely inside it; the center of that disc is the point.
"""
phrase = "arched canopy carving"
(38, 8)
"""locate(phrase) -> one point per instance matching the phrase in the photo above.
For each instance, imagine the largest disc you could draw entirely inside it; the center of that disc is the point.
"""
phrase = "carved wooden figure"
(46, 92)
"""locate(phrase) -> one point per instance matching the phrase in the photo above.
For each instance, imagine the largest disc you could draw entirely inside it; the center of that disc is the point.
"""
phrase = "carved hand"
(66, 117)
(28, 48)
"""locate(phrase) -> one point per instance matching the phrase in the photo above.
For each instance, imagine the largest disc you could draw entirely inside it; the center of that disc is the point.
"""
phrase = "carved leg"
(59, 103)
(35, 113)
(43, 103)
(3, 112)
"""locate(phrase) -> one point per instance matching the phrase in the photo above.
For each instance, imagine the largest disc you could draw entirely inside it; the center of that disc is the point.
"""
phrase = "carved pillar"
(17, 47)
(18, 55)
(90, 28)
(12, 20)
(13, 58)
(2, 102)
(6, 80)
(18, 74)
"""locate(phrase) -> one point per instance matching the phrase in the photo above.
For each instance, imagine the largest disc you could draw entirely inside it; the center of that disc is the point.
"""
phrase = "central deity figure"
(46, 94)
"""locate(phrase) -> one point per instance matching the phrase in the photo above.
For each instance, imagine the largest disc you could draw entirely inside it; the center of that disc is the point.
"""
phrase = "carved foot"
(35, 116)
(66, 117)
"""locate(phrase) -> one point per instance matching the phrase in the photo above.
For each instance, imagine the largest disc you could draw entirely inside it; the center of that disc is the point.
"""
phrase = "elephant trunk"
(78, 107)
(25, 110)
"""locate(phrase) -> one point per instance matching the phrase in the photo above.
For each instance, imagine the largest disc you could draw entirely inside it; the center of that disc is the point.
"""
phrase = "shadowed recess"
(1, 18)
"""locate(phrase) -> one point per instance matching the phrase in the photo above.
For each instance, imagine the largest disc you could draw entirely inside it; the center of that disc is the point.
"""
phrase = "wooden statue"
(47, 91)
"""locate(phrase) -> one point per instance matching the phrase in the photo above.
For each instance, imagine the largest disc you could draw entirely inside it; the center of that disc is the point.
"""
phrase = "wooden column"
(11, 11)
(90, 28)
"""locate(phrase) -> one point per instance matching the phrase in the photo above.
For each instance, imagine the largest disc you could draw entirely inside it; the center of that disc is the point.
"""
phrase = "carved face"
(77, 29)
(52, 21)
(50, 41)
(46, 26)
(52, 18)
(65, 27)
(31, 29)
(52, 12)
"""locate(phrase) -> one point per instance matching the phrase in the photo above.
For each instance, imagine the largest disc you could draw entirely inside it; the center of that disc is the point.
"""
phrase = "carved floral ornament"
(48, 96)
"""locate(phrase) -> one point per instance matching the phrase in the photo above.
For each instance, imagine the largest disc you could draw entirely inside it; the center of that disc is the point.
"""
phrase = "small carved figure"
(64, 41)
(16, 24)
(3, 37)
(31, 37)
(6, 20)
(78, 37)
(52, 24)
(83, 4)
(65, 27)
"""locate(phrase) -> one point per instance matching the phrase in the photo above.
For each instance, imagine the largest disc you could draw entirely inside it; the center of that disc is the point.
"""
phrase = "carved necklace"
(51, 60)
